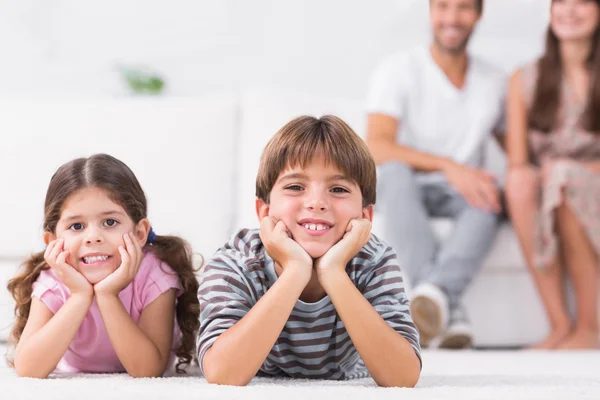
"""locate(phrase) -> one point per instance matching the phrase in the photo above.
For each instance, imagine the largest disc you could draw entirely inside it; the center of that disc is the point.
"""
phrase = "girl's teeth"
(90, 260)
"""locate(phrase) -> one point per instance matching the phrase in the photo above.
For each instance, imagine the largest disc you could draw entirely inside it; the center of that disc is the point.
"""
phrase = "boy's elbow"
(409, 381)
(220, 375)
(404, 379)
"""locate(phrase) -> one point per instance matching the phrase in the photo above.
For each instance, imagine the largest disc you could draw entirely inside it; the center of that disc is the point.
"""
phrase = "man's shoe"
(429, 310)
(459, 334)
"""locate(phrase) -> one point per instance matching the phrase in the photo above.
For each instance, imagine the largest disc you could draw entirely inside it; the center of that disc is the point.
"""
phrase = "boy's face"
(316, 204)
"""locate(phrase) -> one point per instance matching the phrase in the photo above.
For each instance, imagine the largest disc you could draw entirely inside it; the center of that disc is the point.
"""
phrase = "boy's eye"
(77, 226)
(340, 189)
(294, 187)
(110, 222)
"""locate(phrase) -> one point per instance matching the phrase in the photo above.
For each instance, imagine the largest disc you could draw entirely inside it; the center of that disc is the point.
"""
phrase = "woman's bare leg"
(522, 199)
(582, 265)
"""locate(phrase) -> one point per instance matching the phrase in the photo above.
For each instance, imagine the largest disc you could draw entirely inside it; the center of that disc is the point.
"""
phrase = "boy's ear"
(367, 213)
(141, 231)
(48, 237)
(262, 209)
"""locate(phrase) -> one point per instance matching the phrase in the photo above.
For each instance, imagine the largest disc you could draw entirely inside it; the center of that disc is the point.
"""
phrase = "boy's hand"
(131, 258)
(358, 233)
(56, 258)
(282, 248)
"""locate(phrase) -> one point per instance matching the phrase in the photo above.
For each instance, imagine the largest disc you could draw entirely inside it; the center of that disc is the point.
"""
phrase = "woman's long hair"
(547, 94)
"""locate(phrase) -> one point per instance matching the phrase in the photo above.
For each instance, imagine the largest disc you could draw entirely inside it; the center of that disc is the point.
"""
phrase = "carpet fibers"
(446, 375)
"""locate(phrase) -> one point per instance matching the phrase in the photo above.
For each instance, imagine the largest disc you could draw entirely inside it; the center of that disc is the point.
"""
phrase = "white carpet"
(446, 375)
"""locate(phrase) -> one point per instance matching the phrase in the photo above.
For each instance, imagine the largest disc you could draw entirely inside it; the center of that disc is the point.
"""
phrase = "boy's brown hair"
(305, 137)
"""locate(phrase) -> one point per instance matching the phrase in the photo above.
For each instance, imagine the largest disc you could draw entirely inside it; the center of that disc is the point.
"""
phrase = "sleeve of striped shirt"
(224, 297)
(385, 291)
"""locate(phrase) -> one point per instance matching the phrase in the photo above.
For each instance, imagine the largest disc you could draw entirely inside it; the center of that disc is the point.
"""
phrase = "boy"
(311, 294)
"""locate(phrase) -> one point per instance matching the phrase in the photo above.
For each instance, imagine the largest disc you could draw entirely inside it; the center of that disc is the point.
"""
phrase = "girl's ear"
(142, 229)
(48, 237)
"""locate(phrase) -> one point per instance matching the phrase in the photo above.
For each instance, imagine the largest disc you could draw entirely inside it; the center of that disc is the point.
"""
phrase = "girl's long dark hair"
(108, 173)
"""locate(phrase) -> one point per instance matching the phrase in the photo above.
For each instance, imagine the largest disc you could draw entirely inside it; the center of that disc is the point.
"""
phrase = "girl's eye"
(294, 187)
(77, 226)
(340, 190)
(110, 222)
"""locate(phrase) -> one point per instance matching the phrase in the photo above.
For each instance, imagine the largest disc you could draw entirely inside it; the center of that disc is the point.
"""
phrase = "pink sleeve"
(49, 289)
(161, 278)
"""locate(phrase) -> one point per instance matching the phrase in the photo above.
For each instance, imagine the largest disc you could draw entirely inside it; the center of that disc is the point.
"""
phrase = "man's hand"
(477, 186)
(276, 238)
(358, 233)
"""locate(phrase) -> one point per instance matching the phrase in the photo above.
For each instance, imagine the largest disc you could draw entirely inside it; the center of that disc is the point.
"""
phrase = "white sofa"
(196, 159)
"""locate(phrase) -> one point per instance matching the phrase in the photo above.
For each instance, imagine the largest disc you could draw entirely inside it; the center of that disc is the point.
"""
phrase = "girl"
(554, 169)
(104, 295)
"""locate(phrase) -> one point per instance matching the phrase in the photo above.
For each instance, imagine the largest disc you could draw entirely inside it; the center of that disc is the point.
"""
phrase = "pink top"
(91, 350)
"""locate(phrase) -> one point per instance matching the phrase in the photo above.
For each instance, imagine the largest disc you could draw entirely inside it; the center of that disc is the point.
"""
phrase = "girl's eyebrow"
(110, 212)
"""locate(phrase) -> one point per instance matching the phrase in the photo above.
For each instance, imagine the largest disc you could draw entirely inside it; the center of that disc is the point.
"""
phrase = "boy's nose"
(316, 204)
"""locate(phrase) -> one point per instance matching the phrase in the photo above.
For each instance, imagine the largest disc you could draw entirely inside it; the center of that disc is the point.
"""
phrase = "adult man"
(431, 112)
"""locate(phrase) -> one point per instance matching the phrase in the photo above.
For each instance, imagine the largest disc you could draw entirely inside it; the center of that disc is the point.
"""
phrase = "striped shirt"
(314, 342)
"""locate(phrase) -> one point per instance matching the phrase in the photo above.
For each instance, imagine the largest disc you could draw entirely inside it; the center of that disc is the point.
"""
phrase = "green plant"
(142, 81)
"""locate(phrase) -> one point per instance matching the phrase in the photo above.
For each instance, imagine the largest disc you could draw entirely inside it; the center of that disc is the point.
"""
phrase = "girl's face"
(92, 227)
(574, 19)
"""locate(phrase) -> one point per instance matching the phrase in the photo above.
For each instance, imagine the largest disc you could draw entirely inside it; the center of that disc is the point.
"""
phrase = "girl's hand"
(131, 257)
(56, 258)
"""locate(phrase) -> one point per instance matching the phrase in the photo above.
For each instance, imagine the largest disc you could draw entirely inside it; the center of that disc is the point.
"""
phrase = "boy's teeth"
(315, 227)
(90, 260)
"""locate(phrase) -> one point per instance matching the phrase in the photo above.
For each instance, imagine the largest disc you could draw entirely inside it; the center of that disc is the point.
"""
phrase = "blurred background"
(79, 47)
(187, 93)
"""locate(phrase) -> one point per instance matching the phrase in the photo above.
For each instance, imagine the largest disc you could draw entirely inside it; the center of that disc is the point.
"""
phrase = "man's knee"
(394, 172)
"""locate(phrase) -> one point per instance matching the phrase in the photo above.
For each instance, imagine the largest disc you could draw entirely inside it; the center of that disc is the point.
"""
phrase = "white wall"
(203, 46)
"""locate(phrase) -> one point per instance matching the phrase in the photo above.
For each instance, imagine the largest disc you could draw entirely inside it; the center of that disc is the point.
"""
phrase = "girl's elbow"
(24, 371)
(146, 372)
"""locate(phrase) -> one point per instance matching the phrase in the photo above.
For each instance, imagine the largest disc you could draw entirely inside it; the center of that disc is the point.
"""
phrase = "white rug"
(446, 375)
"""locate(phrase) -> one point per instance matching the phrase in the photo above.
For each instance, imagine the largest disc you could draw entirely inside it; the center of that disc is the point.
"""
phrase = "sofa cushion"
(181, 150)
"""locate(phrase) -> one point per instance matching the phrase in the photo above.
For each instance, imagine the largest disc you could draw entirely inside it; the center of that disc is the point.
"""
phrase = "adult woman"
(553, 184)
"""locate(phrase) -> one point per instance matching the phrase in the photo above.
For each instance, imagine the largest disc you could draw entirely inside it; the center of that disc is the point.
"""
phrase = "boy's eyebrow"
(300, 175)
(339, 178)
(72, 217)
(294, 175)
